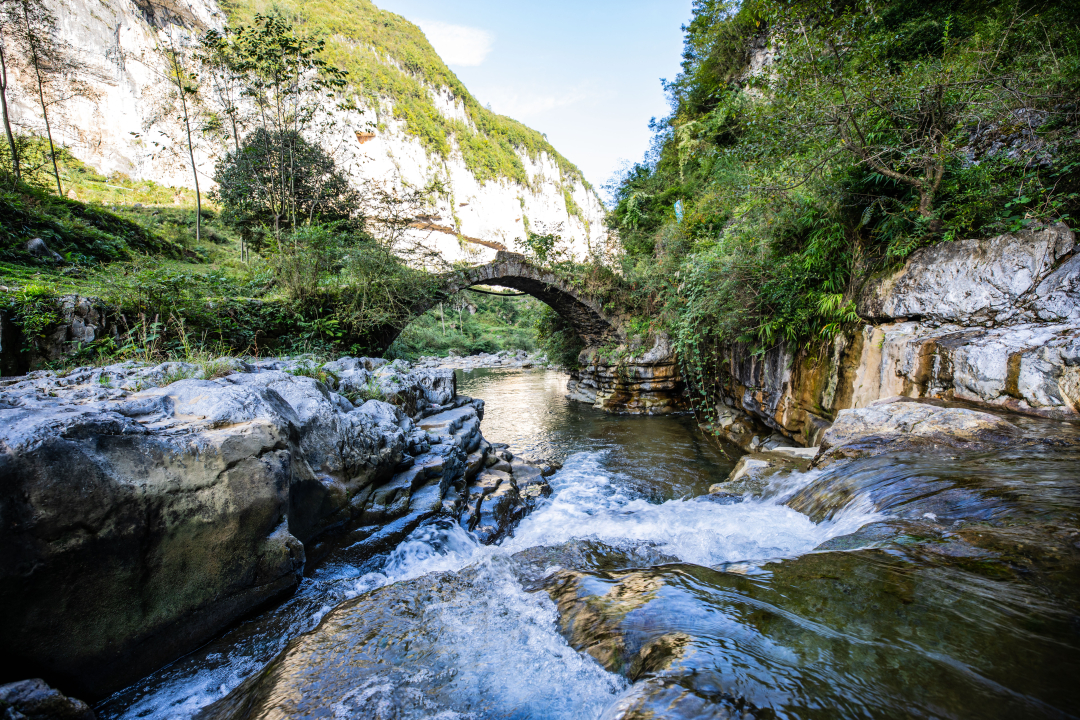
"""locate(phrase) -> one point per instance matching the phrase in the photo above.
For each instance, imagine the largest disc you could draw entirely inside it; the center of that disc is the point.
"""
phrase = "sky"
(584, 72)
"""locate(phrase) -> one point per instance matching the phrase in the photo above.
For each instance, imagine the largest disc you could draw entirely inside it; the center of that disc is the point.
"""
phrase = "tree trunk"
(16, 170)
(41, 96)
(194, 169)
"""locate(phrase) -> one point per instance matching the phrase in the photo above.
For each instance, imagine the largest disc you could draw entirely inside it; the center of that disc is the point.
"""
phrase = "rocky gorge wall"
(630, 380)
(145, 508)
(991, 322)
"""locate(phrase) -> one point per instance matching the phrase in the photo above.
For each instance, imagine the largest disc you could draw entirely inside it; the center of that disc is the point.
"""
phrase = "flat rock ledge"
(898, 424)
(893, 425)
(144, 508)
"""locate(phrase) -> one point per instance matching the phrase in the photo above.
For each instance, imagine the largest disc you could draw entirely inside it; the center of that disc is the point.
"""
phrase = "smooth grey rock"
(1010, 278)
(126, 545)
(38, 248)
(895, 426)
(804, 453)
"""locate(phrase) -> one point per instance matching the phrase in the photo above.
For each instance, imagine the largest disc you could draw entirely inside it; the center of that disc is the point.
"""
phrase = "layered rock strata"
(146, 508)
(629, 379)
(994, 323)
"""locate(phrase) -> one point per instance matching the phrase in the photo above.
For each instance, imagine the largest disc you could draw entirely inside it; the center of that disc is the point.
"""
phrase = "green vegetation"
(877, 128)
(557, 338)
(176, 282)
(470, 323)
(387, 56)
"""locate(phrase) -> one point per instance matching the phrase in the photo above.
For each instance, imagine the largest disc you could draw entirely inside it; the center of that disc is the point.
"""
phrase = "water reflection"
(658, 458)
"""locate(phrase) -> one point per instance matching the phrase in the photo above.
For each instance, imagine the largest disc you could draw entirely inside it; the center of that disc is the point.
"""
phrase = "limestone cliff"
(990, 322)
(121, 125)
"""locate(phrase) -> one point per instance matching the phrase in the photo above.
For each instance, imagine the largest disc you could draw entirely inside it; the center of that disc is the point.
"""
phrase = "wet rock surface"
(145, 508)
(35, 700)
(898, 426)
(630, 379)
(953, 594)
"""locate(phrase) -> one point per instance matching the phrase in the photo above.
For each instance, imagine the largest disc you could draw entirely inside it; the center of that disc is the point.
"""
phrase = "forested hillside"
(285, 250)
(813, 143)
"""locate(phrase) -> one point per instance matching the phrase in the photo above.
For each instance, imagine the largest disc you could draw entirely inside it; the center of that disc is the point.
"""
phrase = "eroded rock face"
(631, 381)
(142, 513)
(992, 322)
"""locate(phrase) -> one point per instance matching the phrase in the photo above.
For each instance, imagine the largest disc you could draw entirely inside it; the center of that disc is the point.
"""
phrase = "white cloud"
(457, 44)
(519, 107)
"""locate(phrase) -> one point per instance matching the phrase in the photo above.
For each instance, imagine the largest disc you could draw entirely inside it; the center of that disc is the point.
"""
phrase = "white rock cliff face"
(124, 127)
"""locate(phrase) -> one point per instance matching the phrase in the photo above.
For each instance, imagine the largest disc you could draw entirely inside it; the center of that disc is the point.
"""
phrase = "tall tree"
(15, 170)
(184, 82)
(899, 119)
(226, 80)
(288, 83)
(31, 40)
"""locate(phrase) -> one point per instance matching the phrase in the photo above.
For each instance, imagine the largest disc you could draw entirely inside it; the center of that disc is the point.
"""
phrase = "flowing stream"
(896, 586)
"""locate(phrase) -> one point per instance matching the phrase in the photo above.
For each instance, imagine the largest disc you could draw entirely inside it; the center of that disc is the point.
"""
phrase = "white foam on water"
(505, 642)
(508, 657)
(588, 504)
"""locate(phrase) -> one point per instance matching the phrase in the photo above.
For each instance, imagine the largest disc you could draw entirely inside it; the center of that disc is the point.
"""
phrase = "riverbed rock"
(630, 379)
(143, 513)
(752, 473)
(898, 426)
(35, 700)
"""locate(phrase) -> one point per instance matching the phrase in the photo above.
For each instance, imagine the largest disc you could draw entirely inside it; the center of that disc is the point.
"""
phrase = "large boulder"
(134, 530)
(898, 426)
(145, 508)
(1031, 276)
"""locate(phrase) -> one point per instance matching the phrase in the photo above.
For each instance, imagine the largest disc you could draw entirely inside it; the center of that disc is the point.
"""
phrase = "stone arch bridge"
(513, 271)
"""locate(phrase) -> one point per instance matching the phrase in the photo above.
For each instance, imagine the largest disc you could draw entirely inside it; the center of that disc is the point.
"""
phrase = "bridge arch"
(513, 271)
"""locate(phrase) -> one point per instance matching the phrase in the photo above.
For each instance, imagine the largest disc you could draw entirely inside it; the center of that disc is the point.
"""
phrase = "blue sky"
(585, 72)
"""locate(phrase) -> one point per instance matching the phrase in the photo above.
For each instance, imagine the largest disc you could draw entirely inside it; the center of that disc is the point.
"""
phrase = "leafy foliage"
(558, 338)
(281, 180)
(470, 323)
(812, 143)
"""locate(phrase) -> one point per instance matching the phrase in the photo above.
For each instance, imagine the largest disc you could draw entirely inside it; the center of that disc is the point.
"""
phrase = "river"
(901, 586)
